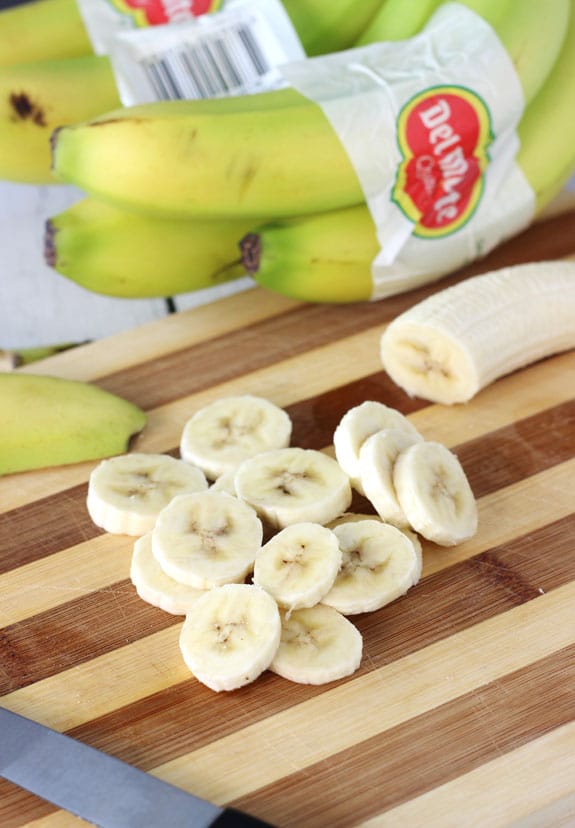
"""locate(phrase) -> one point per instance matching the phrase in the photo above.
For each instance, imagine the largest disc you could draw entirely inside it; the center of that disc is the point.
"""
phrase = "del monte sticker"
(443, 135)
(156, 12)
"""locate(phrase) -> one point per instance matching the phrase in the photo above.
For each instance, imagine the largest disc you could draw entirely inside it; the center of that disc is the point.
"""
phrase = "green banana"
(176, 158)
(35, 98)
(119, 253)
(49, 421)
(42, 30)
(328, 258)
(325, 27)
(398, 20)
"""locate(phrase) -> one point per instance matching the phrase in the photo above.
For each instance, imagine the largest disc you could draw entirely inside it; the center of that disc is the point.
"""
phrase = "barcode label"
(218, 66)
(233, 52)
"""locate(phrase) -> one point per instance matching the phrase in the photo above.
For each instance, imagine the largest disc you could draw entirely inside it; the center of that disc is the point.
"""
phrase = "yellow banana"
(328, 258)
(38, 96)
(42, 30)
(118, 253)
(284, 158)
(35, 98)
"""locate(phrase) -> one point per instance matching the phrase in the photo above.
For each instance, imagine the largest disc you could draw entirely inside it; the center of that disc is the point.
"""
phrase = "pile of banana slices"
(280, 605)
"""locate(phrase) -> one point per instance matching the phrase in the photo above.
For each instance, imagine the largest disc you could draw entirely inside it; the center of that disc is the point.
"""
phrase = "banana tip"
(251, 248)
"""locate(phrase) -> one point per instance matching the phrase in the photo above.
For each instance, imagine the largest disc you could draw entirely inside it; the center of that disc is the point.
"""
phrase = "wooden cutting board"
(462, 712)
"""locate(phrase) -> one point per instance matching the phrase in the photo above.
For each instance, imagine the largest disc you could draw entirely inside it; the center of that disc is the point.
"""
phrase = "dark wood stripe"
(518, 451)
(316, 418)
(499, 717)
(45, 526)
(491, 461)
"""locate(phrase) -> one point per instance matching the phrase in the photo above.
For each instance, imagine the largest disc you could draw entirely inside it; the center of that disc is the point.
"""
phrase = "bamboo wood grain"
(462, 710)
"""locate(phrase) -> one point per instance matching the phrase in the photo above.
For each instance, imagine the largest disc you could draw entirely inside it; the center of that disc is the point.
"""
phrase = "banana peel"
(49, 421)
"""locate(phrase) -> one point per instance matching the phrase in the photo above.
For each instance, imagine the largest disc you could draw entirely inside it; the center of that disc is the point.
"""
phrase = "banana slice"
(227, 431)
(126, 493)
(230, 636)
(458, 340)
(317, 645)
(359, 423)
(207, 539)
(298, 566)
(435, 494)
(154, 586)
(225, 483)
(294, 485)
(377, 457)
(380, 563)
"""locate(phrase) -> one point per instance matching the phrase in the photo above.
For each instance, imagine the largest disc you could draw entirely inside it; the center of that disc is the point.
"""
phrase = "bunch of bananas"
(173, 187)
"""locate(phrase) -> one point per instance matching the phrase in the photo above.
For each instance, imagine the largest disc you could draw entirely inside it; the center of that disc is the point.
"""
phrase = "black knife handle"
(229, 818)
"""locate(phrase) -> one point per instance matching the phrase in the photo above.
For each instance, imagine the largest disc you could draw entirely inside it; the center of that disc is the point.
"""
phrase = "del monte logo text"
(443, 135)
(155, 12)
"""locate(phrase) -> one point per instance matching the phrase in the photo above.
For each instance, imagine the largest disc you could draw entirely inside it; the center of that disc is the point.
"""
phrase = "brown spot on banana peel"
(25, 109)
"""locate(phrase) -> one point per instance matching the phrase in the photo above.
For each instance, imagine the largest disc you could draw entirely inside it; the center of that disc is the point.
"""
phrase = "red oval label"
(443, 134)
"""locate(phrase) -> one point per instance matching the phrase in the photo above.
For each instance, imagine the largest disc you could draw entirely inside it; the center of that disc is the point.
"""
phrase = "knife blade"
(98, 787)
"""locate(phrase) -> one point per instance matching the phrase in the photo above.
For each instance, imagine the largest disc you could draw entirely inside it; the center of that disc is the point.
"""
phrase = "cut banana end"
(435, 494)
(318, 645)
(359, 423)
(457, 341)
(207, 539)
(126, 493)
(224, 433)
(294, 485)
(379, 564)
(298, 566)
(154, 586)
(377, 457)
(230, 636)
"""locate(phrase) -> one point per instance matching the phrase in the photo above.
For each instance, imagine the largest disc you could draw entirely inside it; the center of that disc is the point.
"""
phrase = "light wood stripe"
(538, 778)
(49, 582)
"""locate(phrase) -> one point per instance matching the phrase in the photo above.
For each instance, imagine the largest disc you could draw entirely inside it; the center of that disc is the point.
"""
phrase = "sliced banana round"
(154, 586)
(225, 483)
(231, 635)
(294, 485)
(435, 494)
(379, 564)
(317, 645)
(377, 457)
(126, 493)
(359, 423)
(298, 565)
(207, 539)
(220, 435)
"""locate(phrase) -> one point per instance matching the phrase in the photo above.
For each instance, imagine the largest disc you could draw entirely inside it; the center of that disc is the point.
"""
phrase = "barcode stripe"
(221, 64)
